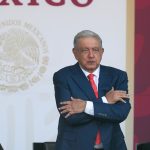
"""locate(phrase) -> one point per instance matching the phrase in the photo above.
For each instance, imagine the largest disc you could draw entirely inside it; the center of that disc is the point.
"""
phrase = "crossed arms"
(73, 109)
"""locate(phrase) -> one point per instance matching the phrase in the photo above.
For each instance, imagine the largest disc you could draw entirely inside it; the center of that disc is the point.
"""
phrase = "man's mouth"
(91, 62)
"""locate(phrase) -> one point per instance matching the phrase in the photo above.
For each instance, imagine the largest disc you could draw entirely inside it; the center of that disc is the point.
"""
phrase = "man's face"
(89, 53)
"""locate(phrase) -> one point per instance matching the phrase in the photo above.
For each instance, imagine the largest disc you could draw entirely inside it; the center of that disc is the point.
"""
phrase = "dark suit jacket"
(1, 147)
(78, 131)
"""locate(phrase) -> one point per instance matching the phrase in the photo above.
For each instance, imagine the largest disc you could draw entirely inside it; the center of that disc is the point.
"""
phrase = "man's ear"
(102, 50)
(73, 50)
(75, 53)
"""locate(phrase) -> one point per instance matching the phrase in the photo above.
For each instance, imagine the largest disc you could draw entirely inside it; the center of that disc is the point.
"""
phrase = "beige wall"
(130, 70)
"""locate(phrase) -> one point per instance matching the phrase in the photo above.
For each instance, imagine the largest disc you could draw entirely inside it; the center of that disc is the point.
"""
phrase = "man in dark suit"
(92, 99)
(1, 147)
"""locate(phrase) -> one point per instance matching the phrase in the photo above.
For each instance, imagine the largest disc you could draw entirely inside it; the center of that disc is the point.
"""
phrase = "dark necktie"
(94, 87)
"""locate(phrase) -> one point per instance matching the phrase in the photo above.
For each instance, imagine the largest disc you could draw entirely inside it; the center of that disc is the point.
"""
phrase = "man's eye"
(96, 49)
(84, 50)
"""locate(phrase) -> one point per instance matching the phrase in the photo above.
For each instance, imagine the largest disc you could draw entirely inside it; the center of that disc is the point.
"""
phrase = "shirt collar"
(96, 72)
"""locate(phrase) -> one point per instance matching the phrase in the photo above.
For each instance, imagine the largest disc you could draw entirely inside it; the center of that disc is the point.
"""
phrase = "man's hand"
(114, 96)
(73, 106)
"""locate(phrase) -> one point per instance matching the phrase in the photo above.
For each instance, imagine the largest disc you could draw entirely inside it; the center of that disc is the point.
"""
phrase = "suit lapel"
(104, 84)
(82, 81)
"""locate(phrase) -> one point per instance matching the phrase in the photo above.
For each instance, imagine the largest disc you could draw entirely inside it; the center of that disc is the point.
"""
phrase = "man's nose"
(91, 54)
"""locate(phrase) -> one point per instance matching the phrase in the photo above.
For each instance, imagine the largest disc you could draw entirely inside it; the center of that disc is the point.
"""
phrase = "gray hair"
(86, 33)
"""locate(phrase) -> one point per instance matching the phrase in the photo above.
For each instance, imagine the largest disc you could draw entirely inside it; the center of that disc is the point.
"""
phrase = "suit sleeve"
(62, 93)
(117, 112)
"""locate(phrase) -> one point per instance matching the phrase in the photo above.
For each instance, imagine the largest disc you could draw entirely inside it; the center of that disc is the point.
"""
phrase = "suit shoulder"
(112, 69)
(63, 72)
(115, 73)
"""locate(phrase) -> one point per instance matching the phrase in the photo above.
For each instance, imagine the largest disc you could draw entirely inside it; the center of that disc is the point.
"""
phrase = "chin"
(91, 69)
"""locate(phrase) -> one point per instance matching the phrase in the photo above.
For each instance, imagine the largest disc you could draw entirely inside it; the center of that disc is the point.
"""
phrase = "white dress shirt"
(89, 109)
